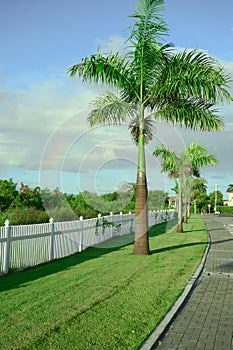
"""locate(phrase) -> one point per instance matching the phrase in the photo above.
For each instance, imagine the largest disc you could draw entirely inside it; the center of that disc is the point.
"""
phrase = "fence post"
(111, 227)
(121, 223)
(51, 257)
(7, 246)
(130, 222)
(81, 235)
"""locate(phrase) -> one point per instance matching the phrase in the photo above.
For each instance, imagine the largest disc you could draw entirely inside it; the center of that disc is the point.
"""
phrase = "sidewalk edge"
(154, 337)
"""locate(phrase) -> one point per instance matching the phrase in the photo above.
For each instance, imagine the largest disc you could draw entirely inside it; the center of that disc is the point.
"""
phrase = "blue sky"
(45, 140)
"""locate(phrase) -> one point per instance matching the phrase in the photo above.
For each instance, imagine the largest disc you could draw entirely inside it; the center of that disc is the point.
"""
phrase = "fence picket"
(7, 246)
(81, 235)
(51, 221)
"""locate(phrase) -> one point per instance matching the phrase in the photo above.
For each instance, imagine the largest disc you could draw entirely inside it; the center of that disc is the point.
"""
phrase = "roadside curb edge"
(154, 337)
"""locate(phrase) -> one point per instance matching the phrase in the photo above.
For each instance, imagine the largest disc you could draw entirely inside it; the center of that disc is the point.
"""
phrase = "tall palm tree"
(183, 167)
(153, 81)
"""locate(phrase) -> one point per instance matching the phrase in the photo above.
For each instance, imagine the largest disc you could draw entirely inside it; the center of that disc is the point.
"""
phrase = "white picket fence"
(29, 245)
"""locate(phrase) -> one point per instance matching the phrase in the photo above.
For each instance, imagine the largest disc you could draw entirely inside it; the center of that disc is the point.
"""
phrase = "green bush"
(24, 216)
(224, 209)
(31, 215)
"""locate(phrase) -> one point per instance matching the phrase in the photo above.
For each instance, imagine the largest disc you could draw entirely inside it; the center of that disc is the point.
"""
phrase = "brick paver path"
(206, 320)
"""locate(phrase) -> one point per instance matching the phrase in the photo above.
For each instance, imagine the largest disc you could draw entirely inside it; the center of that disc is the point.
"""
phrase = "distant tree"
(219, 199)
(230, 188)
(8, 193)
(201, 202)
(29, 197)
(195, 186)
(199, 194)
(109, 197)
(52, 198)
(82, 204)
(157, 200)
(199, 185)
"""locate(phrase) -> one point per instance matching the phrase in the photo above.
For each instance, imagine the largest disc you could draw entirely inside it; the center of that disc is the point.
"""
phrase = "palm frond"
(148, 28)
(199, 156)
(109, 109)
(170, 161)
(193, 73)
(144, 75)
(110, 70)
(148, 129)
(190, 113)
(149, 22)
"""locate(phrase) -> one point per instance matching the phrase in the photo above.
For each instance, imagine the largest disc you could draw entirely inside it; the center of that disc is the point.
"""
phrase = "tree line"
(22, 204)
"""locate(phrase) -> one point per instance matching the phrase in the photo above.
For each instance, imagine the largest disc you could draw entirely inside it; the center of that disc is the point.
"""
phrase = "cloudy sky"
(45, 139)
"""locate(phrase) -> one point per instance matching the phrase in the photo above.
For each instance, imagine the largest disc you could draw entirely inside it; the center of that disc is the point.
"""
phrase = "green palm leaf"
(109, 109)
(194, 74)
(199, 156)
(191, 113)
(170, 160)
(110, 70)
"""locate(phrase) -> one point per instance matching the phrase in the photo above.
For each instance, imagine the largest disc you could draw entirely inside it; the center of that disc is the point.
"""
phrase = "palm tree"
(153, 81)
(183, 167)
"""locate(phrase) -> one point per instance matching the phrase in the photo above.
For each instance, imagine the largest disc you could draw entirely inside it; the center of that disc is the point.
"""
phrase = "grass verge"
(102, 298)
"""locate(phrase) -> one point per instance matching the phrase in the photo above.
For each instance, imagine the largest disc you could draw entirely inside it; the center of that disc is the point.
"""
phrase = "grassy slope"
(103, 298)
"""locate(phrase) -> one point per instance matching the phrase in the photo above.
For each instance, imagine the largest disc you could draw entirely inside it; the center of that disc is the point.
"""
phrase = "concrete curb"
(153, 339)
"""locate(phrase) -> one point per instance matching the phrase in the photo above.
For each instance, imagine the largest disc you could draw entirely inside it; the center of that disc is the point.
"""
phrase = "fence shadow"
(19, 279)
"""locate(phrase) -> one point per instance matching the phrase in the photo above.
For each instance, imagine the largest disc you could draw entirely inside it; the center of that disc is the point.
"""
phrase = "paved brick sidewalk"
(205, 321)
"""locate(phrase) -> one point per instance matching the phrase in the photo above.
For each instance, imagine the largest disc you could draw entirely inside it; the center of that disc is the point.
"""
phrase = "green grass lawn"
(103, 298)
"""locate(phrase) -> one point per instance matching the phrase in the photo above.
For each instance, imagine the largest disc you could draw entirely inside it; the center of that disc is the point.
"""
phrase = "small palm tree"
(153, 81)
(183, 167)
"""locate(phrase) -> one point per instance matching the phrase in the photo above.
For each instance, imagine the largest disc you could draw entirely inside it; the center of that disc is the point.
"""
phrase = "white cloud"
(114, 44)
(29, 116)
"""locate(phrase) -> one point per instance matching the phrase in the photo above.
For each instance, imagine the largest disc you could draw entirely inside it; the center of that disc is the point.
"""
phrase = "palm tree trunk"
(141, 241)
(180, 212)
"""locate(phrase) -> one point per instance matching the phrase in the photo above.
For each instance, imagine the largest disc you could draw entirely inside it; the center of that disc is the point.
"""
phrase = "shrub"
(225, 209)
(24, 216)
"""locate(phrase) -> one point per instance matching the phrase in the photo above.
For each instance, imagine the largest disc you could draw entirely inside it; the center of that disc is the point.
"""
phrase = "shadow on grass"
(174, 247)
(186, 231)
(17, 279)
(162, 228)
